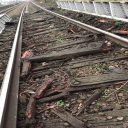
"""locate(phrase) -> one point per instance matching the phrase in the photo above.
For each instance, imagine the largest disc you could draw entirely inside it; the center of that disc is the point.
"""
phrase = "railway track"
(113, 26)
(71, 75)
(6, 41)
(8, 24)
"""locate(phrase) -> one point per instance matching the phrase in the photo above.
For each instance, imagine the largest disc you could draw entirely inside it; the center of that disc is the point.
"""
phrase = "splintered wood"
(26, 63)
(54, 97)
(42, 89)
(94, 97)
(90, 50)
(64, 115)
(102, 79)
(31, 107)
(30, 111)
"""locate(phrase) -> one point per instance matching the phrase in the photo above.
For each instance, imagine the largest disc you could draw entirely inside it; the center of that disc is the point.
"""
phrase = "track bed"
(70, 77)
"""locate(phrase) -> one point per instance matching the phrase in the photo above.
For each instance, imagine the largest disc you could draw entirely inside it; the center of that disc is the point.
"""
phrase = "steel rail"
(10, 82)
(113, 37)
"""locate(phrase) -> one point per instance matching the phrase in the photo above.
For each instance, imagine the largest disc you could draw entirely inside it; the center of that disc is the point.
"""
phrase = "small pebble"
(44, 63)
(67, 105)
(66, 124)
(109, 44)
(122, 49)
(111, 67)
(126, 52)
(109, 117)
(80, 105)
(37, 79)
(93, 102)
(120, 118)
(120, 94)
(76, 83)
(106, 41)
(44, 118)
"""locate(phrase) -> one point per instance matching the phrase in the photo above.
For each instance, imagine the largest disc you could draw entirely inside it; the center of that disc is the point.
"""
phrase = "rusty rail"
(113, 37)
(9, 89)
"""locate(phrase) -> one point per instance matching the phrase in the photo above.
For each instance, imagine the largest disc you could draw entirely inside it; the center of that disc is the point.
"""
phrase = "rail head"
(113, 37)
(6, 85)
